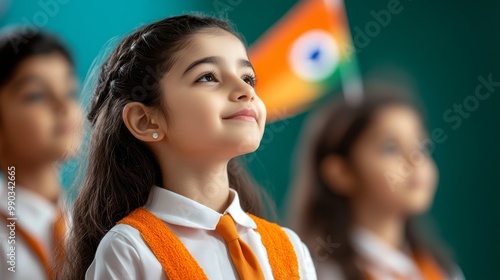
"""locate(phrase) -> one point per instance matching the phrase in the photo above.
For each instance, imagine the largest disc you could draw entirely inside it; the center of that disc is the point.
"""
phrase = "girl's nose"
(61, 103)
(243, 92)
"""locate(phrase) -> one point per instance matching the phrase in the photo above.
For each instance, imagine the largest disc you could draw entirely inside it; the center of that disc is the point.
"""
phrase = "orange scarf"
(178, 263)
(58, 232)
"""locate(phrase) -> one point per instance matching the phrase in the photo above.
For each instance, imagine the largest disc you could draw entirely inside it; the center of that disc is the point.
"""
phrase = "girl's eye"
(390, 149)
(207, 78)
(36, 96)
(250, 79)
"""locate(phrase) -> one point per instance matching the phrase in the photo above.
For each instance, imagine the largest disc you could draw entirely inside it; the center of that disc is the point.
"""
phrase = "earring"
(155, 135)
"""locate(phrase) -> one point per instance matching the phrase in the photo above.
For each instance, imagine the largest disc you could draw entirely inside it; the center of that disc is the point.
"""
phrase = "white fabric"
(123, 254)
(36, 216)
(382, 260)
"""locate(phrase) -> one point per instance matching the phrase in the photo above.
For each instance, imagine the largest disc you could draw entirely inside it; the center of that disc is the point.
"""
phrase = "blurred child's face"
(40, 119)
(204, 94)
(395, 172)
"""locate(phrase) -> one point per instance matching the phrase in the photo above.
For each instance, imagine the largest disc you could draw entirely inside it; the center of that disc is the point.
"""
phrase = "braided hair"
(122, 170)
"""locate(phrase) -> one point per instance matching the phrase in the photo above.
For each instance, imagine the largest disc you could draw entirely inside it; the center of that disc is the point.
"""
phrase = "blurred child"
(162, 199)
(40, 127)
(366, 175)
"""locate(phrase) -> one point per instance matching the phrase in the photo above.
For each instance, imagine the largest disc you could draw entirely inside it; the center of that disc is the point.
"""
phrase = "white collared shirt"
(123, 254)
(36, 216)
(382, 260)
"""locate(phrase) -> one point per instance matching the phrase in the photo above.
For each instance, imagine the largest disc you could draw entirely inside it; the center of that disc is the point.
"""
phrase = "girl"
(174, 104)
(40, 127)
(365, 175)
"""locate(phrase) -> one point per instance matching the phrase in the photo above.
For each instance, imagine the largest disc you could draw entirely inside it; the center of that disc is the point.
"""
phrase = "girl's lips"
(243, 118)
(245, 114)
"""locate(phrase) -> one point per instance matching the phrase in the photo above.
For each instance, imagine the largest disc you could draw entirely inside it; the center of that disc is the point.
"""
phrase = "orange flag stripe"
(278, 86)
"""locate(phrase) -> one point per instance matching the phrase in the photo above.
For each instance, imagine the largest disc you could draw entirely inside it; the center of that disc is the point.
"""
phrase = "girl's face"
(40, 119)
(209, 95)
(394, 170)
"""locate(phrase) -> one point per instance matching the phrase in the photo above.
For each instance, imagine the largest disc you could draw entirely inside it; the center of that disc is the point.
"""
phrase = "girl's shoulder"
(121, 239)
(122, 254)
(122, 232)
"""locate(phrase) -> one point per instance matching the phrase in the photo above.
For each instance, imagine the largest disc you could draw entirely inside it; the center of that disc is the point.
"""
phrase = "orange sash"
(58, 233)
(178, 263)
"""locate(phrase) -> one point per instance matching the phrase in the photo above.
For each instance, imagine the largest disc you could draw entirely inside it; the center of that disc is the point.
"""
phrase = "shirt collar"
(378, 252)
(179, 210)
(30, 203)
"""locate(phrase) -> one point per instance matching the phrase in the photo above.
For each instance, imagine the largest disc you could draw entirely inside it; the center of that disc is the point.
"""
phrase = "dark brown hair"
(16, 46)
(319, 210)
(121, 170)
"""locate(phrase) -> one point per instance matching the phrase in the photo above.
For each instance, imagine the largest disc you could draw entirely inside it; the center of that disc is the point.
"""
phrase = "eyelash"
(252, 78)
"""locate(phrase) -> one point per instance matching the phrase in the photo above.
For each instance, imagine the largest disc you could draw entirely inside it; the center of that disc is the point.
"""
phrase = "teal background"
(440, 48)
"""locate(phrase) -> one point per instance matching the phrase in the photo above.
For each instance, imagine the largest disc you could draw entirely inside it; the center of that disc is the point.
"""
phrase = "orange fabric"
(244, 260)
(59, 229)
(174, 258)
(427, 266)
(283, 92)
(280, 251)
(178, 263)
(58, 237)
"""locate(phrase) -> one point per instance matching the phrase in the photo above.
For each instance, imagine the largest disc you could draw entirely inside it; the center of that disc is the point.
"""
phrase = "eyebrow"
(30, 78)
(217, 61)
(245, 63)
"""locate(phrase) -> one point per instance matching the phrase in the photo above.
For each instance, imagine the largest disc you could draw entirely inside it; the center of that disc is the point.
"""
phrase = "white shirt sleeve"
(306, 265)
(328, 270)
(115, 258)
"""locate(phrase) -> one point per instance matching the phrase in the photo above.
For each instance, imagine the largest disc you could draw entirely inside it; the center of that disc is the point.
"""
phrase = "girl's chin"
(245, 147)
(417, 208)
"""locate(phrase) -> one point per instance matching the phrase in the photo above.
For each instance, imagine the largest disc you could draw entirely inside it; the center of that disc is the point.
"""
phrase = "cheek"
(380, 181)
(261, 107)
(429, 173)
(77, 119)
(76, 115)
(32, 126)
(70, 144)
(405, 187)
(193, 119)
(196, 116)
(376, 172)
(422, 183)
(27, 132)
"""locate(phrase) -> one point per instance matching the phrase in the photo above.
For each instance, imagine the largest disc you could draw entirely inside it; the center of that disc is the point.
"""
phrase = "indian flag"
(304, 55)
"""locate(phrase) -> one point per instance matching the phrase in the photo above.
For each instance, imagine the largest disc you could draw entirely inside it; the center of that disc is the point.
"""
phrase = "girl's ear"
(140, 121)
(337, 174)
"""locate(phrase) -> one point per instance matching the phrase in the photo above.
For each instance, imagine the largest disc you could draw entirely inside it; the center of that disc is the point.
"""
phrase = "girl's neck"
(385, 225)
(42, 180)
(204, 182)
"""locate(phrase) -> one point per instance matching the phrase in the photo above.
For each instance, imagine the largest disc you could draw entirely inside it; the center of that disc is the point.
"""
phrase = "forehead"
(397, 119)
(50, 65)
(48, 69)
(212, 42)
